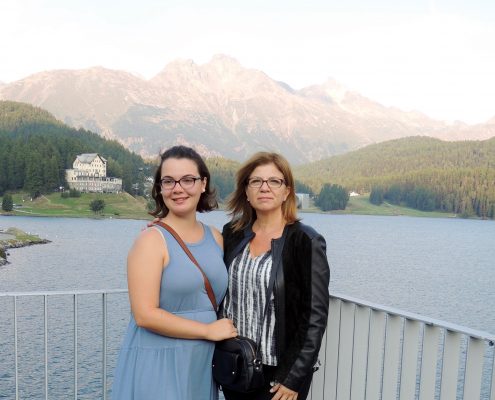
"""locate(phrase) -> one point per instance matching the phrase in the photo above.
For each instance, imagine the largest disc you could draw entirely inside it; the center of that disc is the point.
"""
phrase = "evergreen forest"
(420, 172)
(36, 148)
(222, 172)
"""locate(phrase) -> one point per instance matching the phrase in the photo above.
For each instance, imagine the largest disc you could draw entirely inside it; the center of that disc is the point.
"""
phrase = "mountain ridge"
(224, 109)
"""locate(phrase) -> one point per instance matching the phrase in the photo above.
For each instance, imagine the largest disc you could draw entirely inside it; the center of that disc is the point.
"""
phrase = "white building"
(89, 174)
(302, 200)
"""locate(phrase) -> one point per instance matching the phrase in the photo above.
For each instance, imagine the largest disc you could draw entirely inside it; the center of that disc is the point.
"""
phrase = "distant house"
(89, 174)
(302, 200)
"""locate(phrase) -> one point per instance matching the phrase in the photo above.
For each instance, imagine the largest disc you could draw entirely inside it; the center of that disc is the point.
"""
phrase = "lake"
(441, 268)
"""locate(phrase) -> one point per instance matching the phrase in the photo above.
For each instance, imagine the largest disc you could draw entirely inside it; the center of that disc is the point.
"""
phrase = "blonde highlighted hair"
(240, 210)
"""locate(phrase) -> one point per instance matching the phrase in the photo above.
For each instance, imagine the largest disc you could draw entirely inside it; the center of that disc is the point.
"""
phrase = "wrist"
(205, 331)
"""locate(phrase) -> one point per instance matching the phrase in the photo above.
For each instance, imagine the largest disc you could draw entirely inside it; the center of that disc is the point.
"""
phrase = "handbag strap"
(277, 257)
(208, 287)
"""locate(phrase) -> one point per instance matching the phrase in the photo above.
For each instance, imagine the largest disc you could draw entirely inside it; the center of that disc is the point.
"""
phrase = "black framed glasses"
(272, 182)
(186, 182)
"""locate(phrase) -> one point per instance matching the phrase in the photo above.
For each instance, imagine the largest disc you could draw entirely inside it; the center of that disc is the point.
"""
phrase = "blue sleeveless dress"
(156, 367)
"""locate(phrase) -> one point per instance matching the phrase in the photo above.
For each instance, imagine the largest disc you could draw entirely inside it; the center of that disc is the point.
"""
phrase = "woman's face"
(272, 192)
(181, 197)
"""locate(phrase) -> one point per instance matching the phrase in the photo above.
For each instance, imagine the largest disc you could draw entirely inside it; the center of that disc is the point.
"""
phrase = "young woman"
(169, 343)
(265, 225)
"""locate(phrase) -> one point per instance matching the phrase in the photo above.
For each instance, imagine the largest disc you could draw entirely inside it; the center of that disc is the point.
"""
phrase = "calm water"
(442, 268)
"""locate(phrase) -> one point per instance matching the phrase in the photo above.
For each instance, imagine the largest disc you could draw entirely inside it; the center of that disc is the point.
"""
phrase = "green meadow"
(123, 205)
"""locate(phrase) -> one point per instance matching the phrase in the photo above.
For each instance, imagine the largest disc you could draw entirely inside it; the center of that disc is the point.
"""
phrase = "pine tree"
(7, 203)
(332, 197)
(97, 206)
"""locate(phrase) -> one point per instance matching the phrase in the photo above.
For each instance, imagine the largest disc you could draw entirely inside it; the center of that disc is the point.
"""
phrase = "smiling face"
(267, 198)
(179, 200)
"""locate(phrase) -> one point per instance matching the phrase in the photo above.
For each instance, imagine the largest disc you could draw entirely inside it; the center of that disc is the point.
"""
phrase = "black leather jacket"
(301, 297)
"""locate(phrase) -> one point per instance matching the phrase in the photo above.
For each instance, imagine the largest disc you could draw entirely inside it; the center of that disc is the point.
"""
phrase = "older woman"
(265, 231)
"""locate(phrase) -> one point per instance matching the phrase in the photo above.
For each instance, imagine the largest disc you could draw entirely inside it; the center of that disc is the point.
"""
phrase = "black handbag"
(237, 362)
(237, 365)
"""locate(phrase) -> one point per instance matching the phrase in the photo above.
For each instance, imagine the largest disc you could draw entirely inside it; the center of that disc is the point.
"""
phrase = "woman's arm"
(145, 264)
(218, 236)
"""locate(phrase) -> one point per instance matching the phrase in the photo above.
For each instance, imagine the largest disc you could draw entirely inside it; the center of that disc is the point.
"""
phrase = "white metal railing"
(75, 295)
(375, 352)
(368, 352)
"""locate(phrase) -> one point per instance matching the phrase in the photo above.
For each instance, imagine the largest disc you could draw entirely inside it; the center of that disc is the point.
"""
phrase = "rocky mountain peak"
(223, 108)
(336, 91)
(225, 61)
(177, 73)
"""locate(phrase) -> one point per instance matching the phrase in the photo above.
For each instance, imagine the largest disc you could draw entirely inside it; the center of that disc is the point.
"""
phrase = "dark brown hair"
(239, 208)
(207, 200)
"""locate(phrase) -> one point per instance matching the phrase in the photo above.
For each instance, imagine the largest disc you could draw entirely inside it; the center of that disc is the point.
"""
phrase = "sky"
(433, 56)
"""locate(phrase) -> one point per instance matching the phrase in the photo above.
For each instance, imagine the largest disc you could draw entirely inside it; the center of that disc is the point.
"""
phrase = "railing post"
(45, 323)
(75, 346)
(374, 366)
(391, 357)
(429, 355)
(346, 344)
(409, 366)
(104, 346)
(492, 382)
(474, 368)
(16, 362)
(360, 352)
(332, 353)
(450, 365)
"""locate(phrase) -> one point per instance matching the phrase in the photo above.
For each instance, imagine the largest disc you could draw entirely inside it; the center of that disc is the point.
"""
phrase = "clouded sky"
(433, 56)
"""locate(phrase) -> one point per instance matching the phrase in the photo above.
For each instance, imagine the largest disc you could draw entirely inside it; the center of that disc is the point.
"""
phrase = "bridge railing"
(51, 341)
(375, 352)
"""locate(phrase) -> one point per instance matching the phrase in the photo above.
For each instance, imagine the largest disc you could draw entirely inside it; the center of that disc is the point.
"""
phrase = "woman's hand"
(283, 393)
(220, 330)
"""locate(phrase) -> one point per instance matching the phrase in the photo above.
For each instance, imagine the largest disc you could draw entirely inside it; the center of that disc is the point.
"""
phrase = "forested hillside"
(421, 172)
(222, 173)
(35, 150)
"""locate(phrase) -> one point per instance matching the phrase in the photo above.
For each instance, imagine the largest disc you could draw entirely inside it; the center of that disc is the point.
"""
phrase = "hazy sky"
(433, 56)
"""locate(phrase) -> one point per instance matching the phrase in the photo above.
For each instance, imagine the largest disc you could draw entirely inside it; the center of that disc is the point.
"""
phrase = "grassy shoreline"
(125, 206)
(360, 205)
(121, 205)
(15, 238)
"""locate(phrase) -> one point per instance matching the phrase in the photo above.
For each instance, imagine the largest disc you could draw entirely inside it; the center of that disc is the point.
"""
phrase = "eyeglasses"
(272, 182)
(186, 182)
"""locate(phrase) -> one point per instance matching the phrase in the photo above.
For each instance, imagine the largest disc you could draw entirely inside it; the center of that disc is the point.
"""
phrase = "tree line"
(466, 192)
(419, 172)
(36, 149)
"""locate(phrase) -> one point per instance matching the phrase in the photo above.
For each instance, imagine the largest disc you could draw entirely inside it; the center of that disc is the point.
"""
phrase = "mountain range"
(224, 109)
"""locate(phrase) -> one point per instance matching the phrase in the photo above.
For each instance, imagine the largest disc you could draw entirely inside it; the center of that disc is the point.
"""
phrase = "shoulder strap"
(208, 287)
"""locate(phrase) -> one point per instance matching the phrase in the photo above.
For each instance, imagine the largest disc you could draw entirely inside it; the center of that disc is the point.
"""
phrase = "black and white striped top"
(246, 298)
